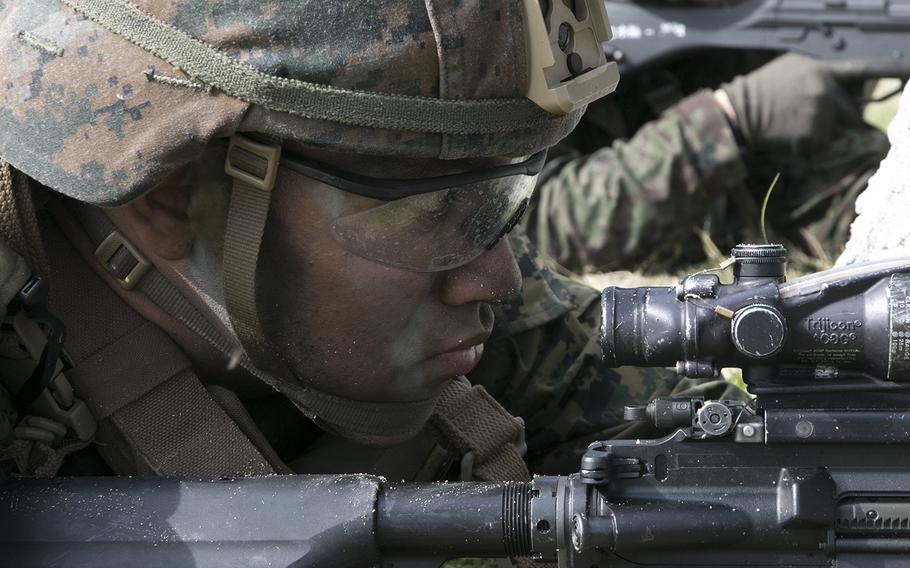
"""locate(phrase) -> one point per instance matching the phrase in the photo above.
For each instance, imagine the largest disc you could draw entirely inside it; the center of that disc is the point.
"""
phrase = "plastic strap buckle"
(121, 259)
(55, 400)
(252, 163)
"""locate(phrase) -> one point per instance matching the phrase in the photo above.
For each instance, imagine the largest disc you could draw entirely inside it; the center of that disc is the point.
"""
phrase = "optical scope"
(839, 330)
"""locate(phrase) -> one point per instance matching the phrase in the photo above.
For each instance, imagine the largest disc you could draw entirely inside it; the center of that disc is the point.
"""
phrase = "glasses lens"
(436, 231)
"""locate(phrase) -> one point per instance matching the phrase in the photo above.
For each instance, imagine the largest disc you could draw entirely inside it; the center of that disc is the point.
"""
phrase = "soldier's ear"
(158, 221)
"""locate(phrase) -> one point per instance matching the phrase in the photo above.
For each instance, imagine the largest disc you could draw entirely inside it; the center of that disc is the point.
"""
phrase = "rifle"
(646, 33)
(813, 472)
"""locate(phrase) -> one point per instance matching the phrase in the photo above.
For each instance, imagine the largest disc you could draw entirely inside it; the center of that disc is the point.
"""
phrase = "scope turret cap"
(101, 99)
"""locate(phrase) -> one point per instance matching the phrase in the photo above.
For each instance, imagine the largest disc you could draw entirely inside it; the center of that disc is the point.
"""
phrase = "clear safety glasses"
(428, 224)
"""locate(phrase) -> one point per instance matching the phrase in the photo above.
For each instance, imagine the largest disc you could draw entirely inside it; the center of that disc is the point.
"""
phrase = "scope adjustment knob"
(759, 331)
(759, 261)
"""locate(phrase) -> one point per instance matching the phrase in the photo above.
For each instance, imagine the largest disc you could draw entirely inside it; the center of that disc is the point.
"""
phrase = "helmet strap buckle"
(254, 167)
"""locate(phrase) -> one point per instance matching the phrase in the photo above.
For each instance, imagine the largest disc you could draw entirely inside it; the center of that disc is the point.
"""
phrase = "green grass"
(880, 114)
(734, 376)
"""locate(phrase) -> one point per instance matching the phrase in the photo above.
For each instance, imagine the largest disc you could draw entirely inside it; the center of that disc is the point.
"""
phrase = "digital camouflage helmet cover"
(102, 98)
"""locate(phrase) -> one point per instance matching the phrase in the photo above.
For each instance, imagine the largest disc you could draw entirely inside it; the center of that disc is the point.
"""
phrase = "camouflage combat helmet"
(103, 99)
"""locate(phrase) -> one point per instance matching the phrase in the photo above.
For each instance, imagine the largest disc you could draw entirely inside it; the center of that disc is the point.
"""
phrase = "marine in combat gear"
(278, 234)
(618, 197)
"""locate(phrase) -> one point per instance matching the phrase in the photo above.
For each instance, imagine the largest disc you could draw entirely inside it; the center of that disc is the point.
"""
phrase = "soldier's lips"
(458, 361)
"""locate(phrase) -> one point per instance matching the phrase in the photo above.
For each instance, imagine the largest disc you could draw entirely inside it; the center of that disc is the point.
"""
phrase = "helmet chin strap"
(254, 167)
(369, 423)
(465, 419)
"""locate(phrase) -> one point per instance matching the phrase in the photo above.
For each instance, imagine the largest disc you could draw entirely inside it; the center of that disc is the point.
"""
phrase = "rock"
(882, 229)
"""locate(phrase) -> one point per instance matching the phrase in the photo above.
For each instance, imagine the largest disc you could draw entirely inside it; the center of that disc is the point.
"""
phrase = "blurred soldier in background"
(696, 176)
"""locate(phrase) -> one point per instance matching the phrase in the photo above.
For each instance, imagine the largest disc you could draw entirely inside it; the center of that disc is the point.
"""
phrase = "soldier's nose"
(492, 277)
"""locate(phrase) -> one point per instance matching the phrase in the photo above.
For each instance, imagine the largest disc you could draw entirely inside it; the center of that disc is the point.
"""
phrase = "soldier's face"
(364, 330)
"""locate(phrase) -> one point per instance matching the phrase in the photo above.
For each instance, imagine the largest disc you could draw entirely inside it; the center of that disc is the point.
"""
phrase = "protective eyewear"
(427, 224)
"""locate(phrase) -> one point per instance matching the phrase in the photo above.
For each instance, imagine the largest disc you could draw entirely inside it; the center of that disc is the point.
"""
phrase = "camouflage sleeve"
(543, 363)
(619, 204)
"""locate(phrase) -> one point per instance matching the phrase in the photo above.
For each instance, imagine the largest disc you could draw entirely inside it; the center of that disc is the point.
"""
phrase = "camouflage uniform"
(621, 203)
(638, 202)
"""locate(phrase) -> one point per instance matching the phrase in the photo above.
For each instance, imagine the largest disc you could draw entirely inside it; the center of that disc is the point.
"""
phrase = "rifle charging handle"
(713, 418)
(663, 412)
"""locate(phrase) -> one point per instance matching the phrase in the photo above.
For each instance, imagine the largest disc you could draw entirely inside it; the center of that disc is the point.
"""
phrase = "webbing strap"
(231, 403)
(38, 459)
(253, 168)
(466, 419)
(14, 271)
(206, 64)
(178, 429)
(18, 226)
(332, 412)
(155, 415)
(470, 421)
(159, 290)
(347, 417)
(343, 416)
